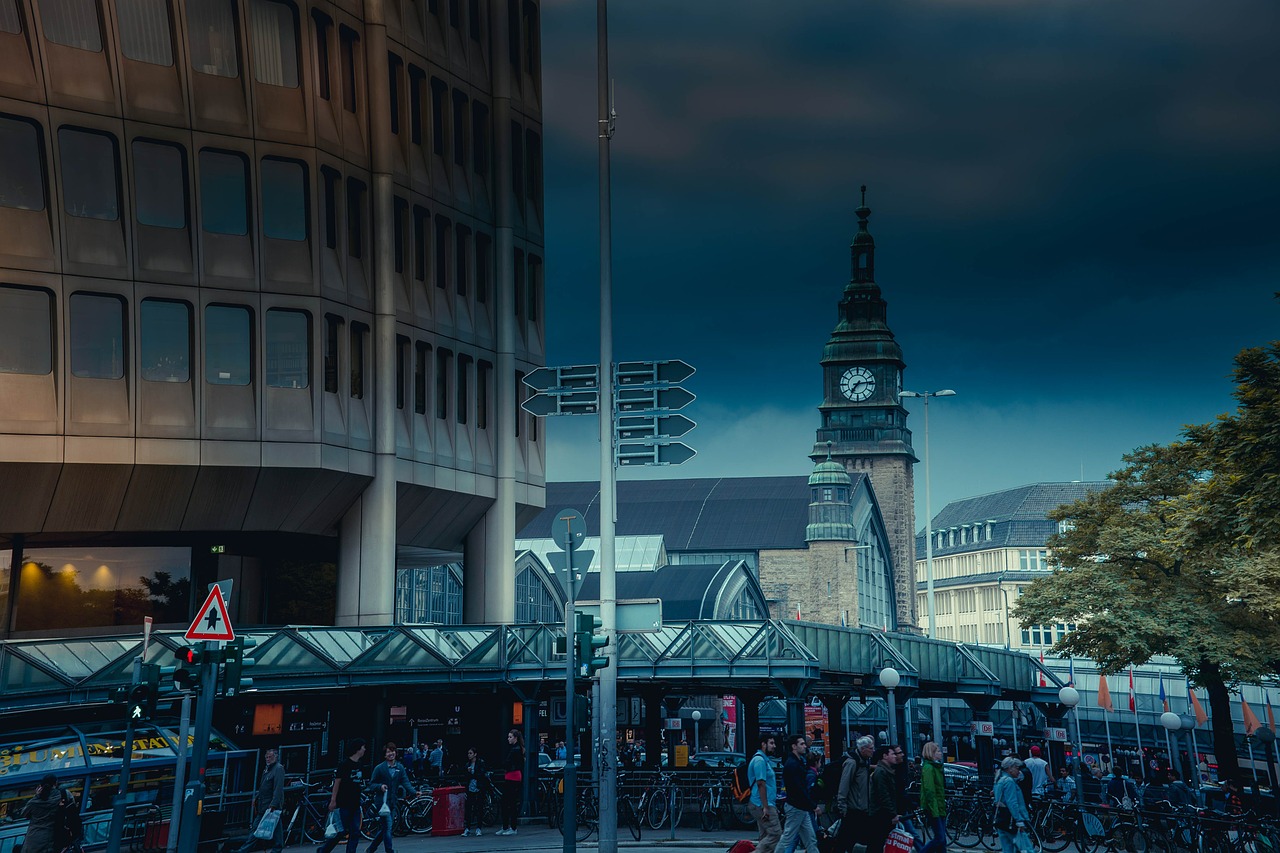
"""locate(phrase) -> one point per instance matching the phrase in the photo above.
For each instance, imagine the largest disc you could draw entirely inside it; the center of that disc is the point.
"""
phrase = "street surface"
(539, 837)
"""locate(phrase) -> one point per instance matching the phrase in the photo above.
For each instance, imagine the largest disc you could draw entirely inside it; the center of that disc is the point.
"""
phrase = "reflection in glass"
(160, 183)
(144, 31)
(97, 336)
(224, 197)
(90, 180)
(212, 28)
(228, 353)
(72, 22)
(284, 199)
(26, 330)
(431, 595)
(99, 587)
(274, 36)
(21, 164)
(288, 349)
(165, 345)
(10, 20)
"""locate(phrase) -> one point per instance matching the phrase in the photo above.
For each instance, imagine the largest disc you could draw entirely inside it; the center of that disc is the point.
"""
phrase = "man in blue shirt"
(764, 795)
(800, 805)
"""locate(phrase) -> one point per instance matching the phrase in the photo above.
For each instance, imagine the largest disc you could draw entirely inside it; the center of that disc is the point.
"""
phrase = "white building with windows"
(985, 550)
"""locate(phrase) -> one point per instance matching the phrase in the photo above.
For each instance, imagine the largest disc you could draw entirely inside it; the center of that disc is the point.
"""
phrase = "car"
(715, 759)
(959, 775)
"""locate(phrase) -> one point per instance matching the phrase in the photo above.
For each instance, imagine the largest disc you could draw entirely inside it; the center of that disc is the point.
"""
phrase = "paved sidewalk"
(540, 837)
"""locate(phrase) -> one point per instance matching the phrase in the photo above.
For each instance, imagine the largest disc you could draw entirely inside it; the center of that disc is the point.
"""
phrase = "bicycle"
(586, 813)
(716, 802)
(628, 808)
(415, 815)
(310, 814)
(664, 799)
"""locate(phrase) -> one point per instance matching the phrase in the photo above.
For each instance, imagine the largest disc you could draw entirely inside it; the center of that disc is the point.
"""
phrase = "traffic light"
(135, 708)
(187, 675)
(589, 641)
(151, 675)
(233, 680)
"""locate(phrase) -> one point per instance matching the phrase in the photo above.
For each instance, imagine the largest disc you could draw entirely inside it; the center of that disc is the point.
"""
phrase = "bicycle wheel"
(370, 822)
(418, 815)
(959, 828)
(1055, 831)
(988, 836)
(707, 814)
(491, 808)
(740, 812)
(657, 812)
(678, 814)
(1130, 839)
(627, 816)
(313, 823)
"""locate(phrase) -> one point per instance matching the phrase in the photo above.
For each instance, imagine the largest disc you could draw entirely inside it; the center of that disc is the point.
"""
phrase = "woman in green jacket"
(933, 797)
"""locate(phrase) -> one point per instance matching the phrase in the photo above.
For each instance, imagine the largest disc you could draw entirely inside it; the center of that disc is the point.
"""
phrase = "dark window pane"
(21, 164)
(464, 388)
(359, 338)
(90, 185)
(355, 218)
(72, 22)
(444, 236)
(332, 333)
(10, 20)
(288, 349)
(160, 183)
(534, 287)
(473, 19)
(144, 30)
(228, 345)
(273, 32)
(165, 341)
(224, 197)
(533, 186)
(212, 28)
(328, 206)
(26, 330)
(455, 13)
(482, 394)
(480, 138)
(421, 357)
(350, 39)
(395, 70)
(484, 262)
(323, 26)
(420, 237)
(97, 336)
(519, 271)
(417, 91)
(461, 125)
(517, 162)
(400, 216)
(439, 91)
(284, 199)
(443, 359)
(402, 369)
(460, 259)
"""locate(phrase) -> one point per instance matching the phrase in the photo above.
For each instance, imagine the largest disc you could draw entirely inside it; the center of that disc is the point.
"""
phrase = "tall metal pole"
(607, 710)
(180, 774)
(570, 735)
(118, 805)
(936, 704)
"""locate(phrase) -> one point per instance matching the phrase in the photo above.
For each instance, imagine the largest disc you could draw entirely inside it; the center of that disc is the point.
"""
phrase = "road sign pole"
(121, 801)
(570, 736)
(180, 775)
(193, 795)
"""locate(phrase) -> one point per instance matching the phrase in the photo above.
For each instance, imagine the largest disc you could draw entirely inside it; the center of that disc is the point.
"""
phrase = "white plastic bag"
(266, 829)
(385, 811)
(333, 828)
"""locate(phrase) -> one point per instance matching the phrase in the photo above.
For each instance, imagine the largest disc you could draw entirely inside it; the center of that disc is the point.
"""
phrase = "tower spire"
(863, 251)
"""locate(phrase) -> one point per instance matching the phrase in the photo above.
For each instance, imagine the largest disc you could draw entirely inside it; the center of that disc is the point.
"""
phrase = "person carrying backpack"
(764, 795)
(853, 795)
(44, 812)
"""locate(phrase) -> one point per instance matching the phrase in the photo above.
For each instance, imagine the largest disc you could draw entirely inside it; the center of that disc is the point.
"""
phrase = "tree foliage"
(1182, 556)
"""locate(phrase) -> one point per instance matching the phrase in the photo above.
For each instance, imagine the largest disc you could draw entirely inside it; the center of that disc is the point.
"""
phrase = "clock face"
(858, 384)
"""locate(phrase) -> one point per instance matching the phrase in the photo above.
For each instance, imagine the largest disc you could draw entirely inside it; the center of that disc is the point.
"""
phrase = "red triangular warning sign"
(212, 622)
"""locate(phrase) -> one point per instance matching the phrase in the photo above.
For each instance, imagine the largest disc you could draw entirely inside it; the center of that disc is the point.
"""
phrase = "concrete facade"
(273, 270)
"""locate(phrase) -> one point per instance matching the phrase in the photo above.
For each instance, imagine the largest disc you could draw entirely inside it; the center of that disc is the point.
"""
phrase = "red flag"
(1201, 716)
(1043, 683)
(1251, 723)
(1133, 700)
(1104, 694)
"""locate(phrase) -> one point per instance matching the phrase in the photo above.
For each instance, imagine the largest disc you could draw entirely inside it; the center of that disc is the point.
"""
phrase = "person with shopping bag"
(268, 806)
(389, 779)
(344, 801)
(1011, 817)
(884, 809)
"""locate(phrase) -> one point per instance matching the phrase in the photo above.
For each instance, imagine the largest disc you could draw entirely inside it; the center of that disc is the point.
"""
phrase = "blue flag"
(1164, 700)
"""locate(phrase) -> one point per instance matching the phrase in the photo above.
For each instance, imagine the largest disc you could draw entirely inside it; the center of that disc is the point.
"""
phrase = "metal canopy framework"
(684, 657)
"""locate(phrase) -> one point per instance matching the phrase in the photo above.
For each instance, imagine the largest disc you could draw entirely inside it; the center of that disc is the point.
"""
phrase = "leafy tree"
(1135, 576)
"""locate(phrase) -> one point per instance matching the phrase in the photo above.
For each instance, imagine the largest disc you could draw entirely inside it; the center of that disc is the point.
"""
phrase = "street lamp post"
(1070, 698)
(697, 715)
(889, 680)
(1172, 723)
(928, 537)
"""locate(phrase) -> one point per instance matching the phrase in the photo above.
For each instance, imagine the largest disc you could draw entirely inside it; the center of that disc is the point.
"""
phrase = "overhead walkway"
(768, 657)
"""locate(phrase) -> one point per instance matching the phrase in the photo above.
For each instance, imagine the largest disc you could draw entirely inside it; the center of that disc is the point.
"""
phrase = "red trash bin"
(448, 815)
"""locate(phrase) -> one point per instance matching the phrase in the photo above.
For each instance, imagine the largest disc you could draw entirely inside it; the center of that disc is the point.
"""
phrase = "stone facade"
(820, 583)
(893, 481)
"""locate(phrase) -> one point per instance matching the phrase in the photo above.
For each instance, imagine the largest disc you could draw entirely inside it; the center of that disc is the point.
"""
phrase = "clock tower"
(863, 421)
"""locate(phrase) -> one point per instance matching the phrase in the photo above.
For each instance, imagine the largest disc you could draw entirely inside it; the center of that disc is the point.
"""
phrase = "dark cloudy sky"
(1075, 211)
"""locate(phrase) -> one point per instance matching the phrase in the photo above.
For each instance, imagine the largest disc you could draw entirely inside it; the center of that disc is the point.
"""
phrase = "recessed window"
(513, 34)
(417, 91)
(484, 264)
(26, 330)
(164, 342)
(228, 345)
(519, 270)
(73, 23)
(273, 31)
(464, 388)
(359, 341)
(421, 359)
(455, 14)
(402, 370)
(439, 93)
(332, 339)
(399, 224)
(534, 287)
(288, 355)
(97, 336)
(211, 25)
(90, 176)
(520, 398)
(533, 187)
(322, 26)
(461, 125)
(444, 238)
(224, 192)
(460, 259)
(531, 39)
(284, 199)
(484, 370)
(444, 363)
(395, 71)
(480, 138)
(473, 20)
(21, 164)
(356, 200)
(145, 31)
(420, 238)
(160, 183)
(349, 39)
(10, 19)
(329, 179)
(517, 162)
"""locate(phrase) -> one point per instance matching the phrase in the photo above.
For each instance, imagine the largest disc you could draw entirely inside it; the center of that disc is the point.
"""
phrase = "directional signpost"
(572, 390)
(648, 395)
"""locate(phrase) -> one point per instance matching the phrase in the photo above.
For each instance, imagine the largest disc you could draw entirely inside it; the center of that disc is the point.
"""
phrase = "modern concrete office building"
(270, 274)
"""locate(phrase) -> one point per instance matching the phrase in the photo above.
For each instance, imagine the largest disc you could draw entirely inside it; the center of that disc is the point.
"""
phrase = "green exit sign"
(217, 549)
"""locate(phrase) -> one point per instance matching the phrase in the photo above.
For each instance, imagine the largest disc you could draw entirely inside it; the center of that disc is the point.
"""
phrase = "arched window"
(535, 602)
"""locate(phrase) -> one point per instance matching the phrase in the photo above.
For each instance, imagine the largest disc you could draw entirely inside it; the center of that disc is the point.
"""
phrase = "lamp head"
(1069, 696)
(945, 392)
(1171, 721)
(889, 678)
